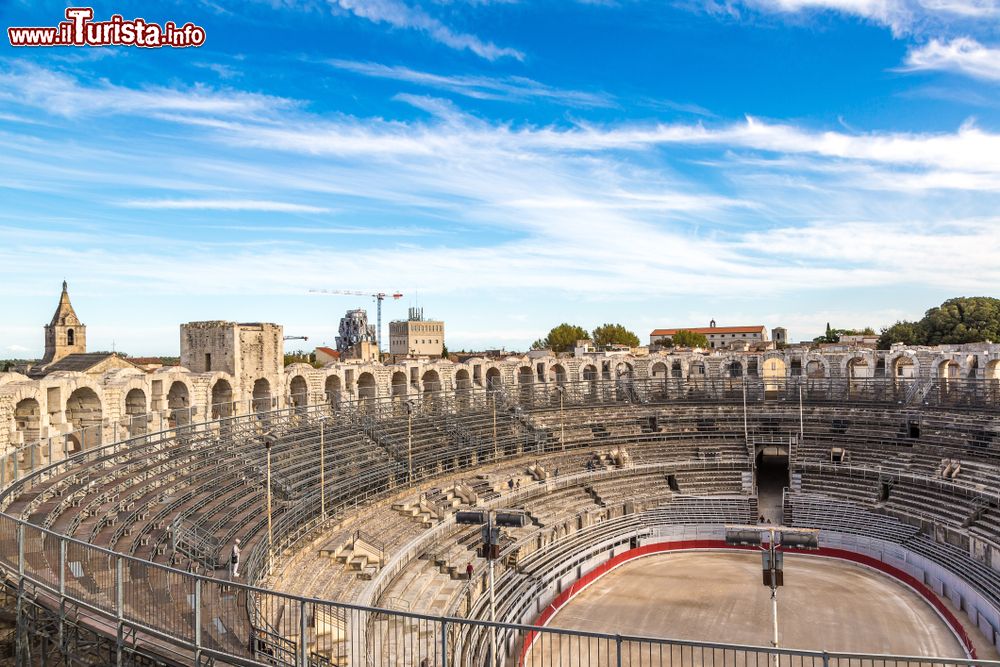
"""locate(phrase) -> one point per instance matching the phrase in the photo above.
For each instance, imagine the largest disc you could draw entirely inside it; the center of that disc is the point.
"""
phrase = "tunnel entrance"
(772, 479)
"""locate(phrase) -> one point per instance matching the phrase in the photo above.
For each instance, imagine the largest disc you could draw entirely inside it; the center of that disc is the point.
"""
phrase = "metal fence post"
(444, 643)
(618, 649)
(120, 610)
(197, 621)
(303, 635)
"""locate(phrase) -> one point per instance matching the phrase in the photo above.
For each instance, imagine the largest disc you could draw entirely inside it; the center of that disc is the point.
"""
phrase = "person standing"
(234, 561)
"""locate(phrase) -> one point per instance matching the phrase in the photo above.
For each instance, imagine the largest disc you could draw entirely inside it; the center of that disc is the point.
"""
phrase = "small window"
(208, 362)
(70, 337)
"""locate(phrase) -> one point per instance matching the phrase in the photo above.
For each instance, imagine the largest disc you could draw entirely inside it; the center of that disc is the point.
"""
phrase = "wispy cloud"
(402, 15)
(62, 94)
(508, 88)
(902, 16)
(222, 205)
(963, 55)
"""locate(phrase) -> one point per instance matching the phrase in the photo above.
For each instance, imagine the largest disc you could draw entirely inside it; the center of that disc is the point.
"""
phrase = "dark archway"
(136, 412)
(179, 404)
(299, 390)
(222, 399)
(261, 395)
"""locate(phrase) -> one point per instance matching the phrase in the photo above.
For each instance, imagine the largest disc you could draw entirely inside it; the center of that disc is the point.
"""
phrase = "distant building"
(326, 355)
(859, 340)
(415, 336)
(718, 337)
(66, 346)
(356, 339)
(780, 335)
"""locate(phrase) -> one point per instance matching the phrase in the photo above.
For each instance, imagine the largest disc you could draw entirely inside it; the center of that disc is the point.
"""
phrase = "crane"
(379, 297)
(296, 337)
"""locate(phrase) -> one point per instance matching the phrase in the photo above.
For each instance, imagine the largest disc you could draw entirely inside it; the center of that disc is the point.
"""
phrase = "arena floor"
(825, 604)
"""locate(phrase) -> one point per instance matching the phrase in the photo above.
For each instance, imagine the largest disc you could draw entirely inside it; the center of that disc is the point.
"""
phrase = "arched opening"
(525, 380)
(332, 388)
(775, 372)
(948, 370)
(493, 379)
(222, 399)
(815, 369)
(136, 412)
(299, 390)
(463, 387)
(659, 371)
(398, 384)
(70, 337)
(993, 370)
(676, 370)
(858, 368)
(367, 390)
(179, 404)
(431, 382)
(84, 415)
(590, 376)
(28, 420)
(261, 395)
(734, 369)
(557, 374)
(903, 368)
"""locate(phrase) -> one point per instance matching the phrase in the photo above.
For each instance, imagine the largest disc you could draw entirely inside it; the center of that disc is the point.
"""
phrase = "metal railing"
(198, 616)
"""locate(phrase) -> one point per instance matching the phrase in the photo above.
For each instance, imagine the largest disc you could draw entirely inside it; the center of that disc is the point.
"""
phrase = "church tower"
(65, 335)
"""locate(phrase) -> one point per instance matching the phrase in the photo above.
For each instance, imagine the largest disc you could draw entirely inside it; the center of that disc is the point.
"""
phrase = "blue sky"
(508, 165)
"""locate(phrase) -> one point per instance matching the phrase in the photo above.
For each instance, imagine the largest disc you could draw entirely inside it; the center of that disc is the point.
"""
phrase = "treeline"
(972, 319)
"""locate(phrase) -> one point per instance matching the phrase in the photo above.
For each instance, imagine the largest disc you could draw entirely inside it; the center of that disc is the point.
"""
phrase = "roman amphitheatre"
(617, 480)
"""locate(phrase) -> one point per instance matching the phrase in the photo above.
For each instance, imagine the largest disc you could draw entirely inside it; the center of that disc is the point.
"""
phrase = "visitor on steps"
(234, 561)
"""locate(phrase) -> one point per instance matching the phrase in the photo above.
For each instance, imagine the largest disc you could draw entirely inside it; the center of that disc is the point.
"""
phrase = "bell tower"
(65, 334)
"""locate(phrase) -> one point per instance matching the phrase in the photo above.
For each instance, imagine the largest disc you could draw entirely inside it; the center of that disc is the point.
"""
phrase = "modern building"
(718, 337)
(415, 336)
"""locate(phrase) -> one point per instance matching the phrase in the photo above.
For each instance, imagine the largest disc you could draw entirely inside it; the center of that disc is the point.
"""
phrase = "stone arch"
(948, 369)
(298, 391)
(84, 414)
(817, 367)
(658, 371)
(28, 419)
(589, 373)
(136, 411)
(557, 373)
(494, 380)
(179, 404)
(367, 388)
(696, 370)
(222, 399)
(676, 369)
(859, 368)
(398, 386)
(70, 337)
(904, 366)
(463, 380)
(993, 370)
(332, 387)
(261, 395)
(733, 369)
(430, 381)
(525, 382)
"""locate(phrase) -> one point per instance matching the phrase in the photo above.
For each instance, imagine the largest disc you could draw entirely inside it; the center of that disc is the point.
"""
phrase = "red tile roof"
(329, 351)
(757, 328)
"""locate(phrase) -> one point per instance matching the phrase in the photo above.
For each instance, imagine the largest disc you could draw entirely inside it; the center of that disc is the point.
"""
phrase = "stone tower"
(65, 335)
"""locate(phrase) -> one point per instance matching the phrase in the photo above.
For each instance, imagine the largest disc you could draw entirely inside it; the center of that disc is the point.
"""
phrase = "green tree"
(561, 338)
(444, 351)
(687, 338)
(614, 334)
(960, 320)
(907, 333)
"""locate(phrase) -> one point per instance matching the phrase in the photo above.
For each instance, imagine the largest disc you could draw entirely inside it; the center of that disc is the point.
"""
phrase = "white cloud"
(62, 94)
(223, 205)
(401, 15)
(510, 88)
(17, 348)
(902, 16)
(963, 55)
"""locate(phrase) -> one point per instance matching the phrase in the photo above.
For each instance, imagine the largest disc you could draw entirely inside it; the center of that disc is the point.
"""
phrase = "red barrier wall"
(687, 545)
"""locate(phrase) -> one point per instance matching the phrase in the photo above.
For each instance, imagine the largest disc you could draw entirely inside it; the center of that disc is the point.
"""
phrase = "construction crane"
(296, 337)
(379, 298)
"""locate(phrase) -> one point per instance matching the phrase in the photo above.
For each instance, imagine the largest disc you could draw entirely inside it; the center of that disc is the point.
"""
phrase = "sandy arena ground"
(825, 604)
